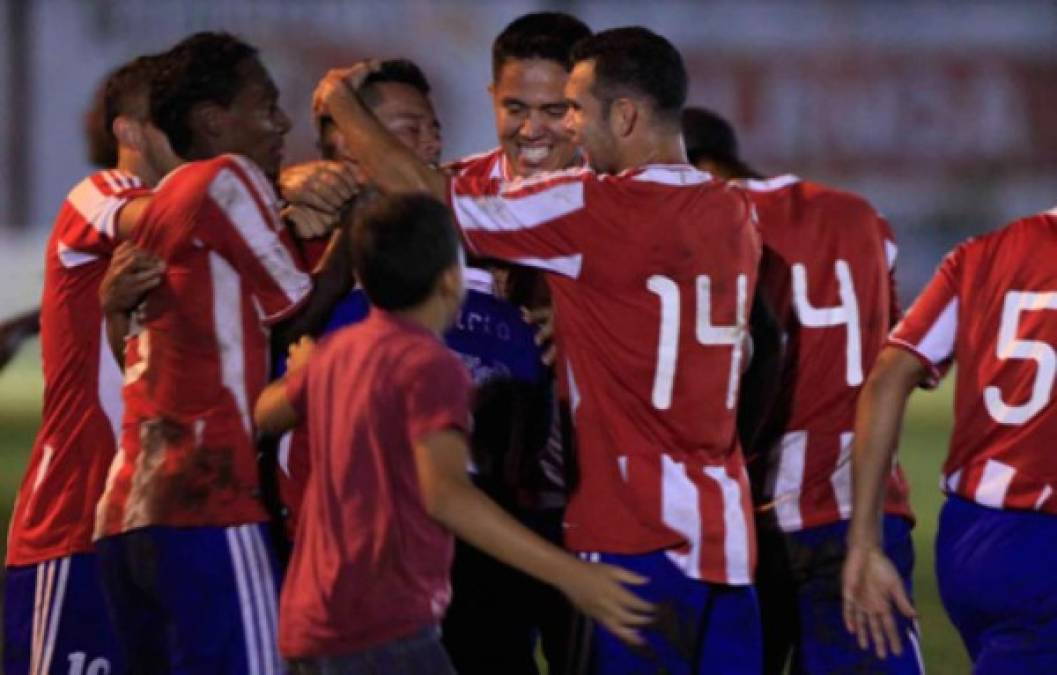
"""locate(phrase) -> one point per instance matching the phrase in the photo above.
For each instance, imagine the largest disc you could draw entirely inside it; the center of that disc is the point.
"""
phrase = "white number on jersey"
(706, 332)
(1009, 347)
(845, 314)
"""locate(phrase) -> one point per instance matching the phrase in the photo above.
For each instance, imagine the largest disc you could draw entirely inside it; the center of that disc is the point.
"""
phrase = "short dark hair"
(202, 68)
(639, 60)
(125, 91)
(539, 35)
(401, 244)
(708, 136)
(403, 71)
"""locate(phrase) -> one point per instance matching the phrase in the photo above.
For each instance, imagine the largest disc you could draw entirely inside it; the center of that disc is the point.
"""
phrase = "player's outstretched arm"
(871, 584)
(387, 162)
(450, 498)
(15, 331)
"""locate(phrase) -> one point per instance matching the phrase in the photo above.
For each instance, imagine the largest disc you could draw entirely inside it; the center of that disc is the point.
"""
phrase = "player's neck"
(654, 147)
(431, 315)
(135, 163)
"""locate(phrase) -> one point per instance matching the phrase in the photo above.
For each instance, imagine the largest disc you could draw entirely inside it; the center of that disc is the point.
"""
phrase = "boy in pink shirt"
(388, 409)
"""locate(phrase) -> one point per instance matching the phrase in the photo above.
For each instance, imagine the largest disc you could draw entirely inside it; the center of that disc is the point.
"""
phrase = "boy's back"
(370, 565)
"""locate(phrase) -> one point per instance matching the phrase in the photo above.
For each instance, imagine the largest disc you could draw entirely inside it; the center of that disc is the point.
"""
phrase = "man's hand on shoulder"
(317, 193)
(132, 273)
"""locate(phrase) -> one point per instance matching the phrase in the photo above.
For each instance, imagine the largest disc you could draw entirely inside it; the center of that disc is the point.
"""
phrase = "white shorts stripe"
(38, 616)
(56, 614)
(266, 640)
(245, 601)
(271, 595)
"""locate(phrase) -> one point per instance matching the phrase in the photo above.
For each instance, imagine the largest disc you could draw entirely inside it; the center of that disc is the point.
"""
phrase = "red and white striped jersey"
(828, 277)
(55, 507)
(198, 356)
(992, 309)
(651, 273)
(490, 164)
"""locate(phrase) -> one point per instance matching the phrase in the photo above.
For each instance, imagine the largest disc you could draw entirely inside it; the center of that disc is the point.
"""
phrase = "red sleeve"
(95, 202)
(539, 222)
(254, 242)
(929, 328)
(438, 396)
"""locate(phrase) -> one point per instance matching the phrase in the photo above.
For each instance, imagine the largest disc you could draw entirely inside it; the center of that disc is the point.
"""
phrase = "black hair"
(202, 68)
(539, 35)
(639, 60)
(401, 244)
(709, 136)
(125, 91)
(403, 71)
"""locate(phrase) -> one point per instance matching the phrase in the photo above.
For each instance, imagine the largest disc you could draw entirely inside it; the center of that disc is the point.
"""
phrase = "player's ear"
(623, 115)
(128, 132)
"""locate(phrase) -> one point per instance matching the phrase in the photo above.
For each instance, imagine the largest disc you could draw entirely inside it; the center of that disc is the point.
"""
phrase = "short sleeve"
(250, 237)
(930, 326)
(96, 202)
(437, 397)
(539, 222)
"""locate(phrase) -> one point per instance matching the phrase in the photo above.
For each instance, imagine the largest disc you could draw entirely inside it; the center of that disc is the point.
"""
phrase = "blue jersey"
(489, 335)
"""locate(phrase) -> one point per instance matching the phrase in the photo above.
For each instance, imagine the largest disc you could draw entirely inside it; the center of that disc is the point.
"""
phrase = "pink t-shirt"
(369, 564)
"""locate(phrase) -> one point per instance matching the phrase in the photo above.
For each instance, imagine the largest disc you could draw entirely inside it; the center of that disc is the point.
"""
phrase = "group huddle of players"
(666, 373)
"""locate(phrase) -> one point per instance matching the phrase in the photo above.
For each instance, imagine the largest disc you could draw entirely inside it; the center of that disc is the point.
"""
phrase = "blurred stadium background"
(938, 111)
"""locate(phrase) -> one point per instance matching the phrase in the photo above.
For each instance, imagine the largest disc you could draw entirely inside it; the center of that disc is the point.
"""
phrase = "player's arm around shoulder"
(450, 498)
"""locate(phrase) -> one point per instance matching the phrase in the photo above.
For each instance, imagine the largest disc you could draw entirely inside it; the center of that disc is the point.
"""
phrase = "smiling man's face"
(529, 101)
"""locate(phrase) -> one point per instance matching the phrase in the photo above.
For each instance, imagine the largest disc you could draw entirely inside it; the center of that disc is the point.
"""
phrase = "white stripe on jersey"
(938, 344)
(508, 213)
(70, 257)
(891, 253)
(242, 588)
(569, 265)
(789, 480)
(56, 615)
(675, 175)
(259, 232)
(1046, 493)
(227, 322)
(841, 478)
(953, 481)
(681, 511)
(994, 484)
(109, 383)
(285, 441)
(735, 528)
(771, 184)
(98, 209)
(42, 470)
(111, 179)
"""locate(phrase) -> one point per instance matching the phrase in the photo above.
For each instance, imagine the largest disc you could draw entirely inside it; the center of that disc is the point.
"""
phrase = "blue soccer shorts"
(997, 573)
(194, 600)
(56, 620)
(798, 580)
(700, 627)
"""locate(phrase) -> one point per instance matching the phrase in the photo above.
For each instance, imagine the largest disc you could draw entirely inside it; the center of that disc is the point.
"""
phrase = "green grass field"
(925, 442)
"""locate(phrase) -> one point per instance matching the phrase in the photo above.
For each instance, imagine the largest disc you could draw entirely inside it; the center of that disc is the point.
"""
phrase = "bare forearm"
(388, 163)
(878, 420)
(476, 519)
(273, 413)
(117, 327)
(332, 280)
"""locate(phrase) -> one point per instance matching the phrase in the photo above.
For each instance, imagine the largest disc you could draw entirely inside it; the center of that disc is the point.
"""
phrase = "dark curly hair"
(538, 35)
(202, 68)
(124, 91)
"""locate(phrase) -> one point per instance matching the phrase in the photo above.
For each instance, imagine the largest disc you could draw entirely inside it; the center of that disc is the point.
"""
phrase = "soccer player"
(652, 265)
(55, 616)
(990, 310)
(497, 612)
(388, 412)
(186, 563)
(829, 279)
